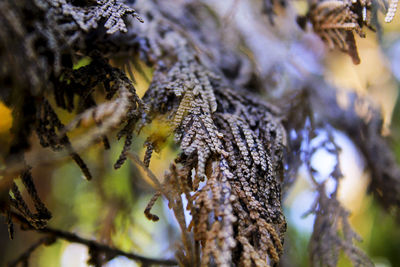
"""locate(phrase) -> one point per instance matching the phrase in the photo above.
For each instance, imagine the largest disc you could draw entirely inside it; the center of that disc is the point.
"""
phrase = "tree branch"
(95, 248)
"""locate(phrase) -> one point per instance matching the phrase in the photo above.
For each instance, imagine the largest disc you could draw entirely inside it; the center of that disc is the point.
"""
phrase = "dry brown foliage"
(236, 156)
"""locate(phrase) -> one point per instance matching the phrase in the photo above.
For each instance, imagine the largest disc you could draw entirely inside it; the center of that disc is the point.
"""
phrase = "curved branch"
(95, 248)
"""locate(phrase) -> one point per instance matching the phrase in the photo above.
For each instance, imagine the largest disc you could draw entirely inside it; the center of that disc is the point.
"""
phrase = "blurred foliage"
(6, 118)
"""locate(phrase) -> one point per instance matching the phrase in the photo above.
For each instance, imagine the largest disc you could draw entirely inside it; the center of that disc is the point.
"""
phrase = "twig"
(92, 245)
(109, 251)
(135, 158)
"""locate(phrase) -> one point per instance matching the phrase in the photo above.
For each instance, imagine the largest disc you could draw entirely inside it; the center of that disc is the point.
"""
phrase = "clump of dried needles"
(235, 158)
(337, 21)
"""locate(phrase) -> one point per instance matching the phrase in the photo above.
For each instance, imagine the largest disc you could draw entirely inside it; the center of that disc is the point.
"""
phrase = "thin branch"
(135, 158)
(109, 251)
(92, 245)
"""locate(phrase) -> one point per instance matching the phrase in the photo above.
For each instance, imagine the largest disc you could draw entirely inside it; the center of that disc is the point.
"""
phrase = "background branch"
(94, 247)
